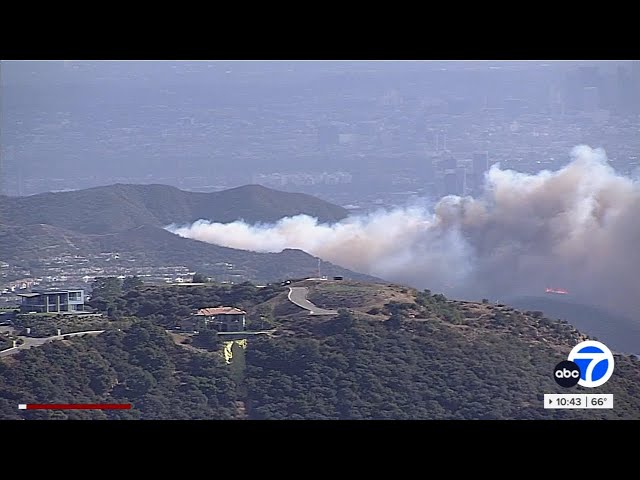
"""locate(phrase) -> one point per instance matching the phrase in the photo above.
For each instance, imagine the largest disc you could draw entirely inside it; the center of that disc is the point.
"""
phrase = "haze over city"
(351, 132)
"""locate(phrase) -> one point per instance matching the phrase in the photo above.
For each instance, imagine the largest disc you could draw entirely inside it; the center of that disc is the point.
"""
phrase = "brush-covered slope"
(617, 331)
(395, 353)
(390, 353)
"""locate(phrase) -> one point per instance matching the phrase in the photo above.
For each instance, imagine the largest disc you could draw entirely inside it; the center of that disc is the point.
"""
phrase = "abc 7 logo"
(566, 374)
(590, 364)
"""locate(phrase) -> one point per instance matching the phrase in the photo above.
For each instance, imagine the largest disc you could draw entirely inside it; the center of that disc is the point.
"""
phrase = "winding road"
(37, 342)
(298, 295)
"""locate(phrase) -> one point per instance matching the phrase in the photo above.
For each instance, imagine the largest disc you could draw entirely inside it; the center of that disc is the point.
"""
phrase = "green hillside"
(142, 366)
(396, 353)
(617, 331)
(393, 353)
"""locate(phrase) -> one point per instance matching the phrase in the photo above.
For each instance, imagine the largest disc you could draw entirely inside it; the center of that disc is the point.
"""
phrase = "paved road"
(298, 295)
(37, 342)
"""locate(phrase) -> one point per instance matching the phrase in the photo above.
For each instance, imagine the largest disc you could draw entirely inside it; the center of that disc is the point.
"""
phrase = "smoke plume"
(577, 228)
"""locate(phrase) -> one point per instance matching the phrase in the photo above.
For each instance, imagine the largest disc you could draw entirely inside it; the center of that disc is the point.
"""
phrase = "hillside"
(393, 353)
(401, 354)
(20, 243)
(141, 365)
(618, 332)
(121, 207)
(154, 246)
(157, 246)
(130, 218)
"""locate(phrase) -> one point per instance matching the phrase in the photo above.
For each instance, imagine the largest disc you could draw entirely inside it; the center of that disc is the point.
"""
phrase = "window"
(75, 296)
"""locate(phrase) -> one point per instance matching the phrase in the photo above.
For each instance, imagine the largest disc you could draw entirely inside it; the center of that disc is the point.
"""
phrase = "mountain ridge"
(119, 207)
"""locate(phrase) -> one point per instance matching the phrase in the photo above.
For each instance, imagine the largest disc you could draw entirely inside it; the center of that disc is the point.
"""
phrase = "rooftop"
(220, 311)
(36, 293)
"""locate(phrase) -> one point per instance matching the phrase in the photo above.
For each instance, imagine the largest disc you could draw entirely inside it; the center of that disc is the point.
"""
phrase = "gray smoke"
(576, 228)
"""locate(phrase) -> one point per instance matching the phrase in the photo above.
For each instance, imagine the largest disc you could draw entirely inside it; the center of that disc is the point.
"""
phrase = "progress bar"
(74, 406)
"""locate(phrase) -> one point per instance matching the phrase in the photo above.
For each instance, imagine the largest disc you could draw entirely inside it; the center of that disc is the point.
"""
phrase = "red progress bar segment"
(74, 406)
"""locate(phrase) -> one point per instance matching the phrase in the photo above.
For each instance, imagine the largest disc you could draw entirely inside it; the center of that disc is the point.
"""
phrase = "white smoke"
(576, 228)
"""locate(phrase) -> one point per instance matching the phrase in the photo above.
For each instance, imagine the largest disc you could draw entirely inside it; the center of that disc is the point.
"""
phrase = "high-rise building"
(428, 169)
(440, 142)
(480, 166)
(448, 163)
(461, 181)
(450, 182)
(480, 162)
(590, 99)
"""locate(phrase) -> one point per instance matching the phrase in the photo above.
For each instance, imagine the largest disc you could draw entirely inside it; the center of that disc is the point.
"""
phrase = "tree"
(104, 292)
(485, 301)
(342, 322)
(131, 283)
(199, 278)
(106, 287)
(208, 339)
(394, 321)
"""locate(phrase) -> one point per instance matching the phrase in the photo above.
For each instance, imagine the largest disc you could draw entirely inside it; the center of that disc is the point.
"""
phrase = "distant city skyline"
(374, 126)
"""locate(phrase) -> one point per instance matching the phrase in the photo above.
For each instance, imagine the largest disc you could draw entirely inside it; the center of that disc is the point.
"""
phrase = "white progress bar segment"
(22, 406)
(578, 400)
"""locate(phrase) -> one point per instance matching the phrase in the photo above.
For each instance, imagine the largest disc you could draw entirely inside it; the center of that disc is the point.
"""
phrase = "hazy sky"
(92, 120)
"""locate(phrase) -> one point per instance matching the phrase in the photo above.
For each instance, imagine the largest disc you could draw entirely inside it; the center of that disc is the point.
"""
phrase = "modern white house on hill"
(52, 301)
